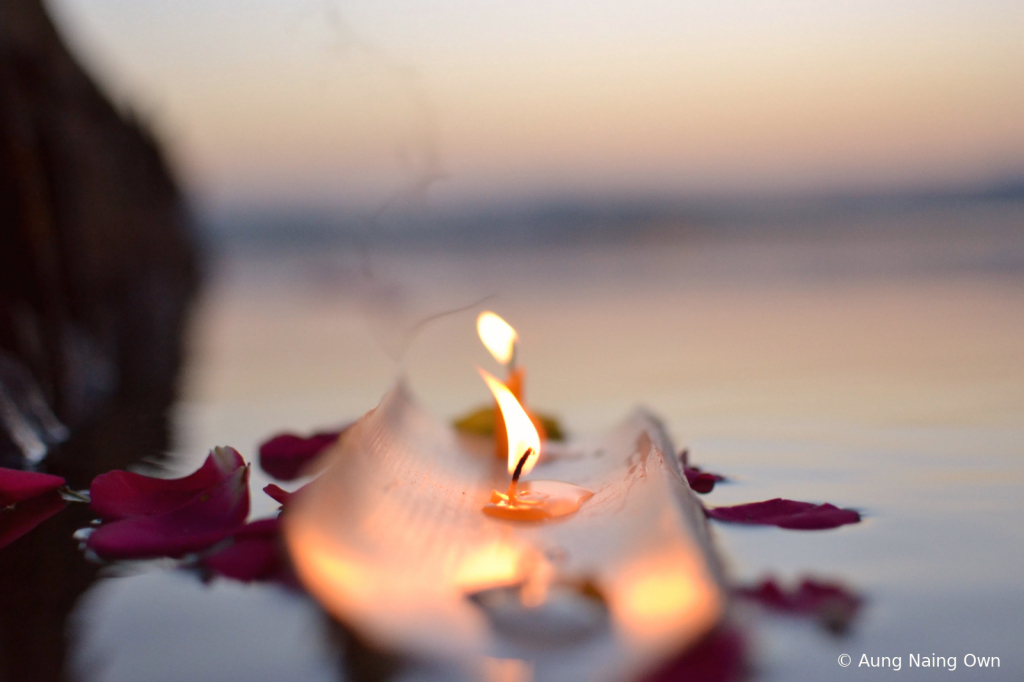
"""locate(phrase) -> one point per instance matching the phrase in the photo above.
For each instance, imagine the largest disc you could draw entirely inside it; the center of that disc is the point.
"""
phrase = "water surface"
(877, 365)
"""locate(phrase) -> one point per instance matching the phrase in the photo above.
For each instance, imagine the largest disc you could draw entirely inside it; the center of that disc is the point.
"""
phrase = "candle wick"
(518, 472)
(519, 467)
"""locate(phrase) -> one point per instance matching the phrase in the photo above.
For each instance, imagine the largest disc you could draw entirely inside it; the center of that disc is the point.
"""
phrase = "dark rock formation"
(97, 263)
(97, 268)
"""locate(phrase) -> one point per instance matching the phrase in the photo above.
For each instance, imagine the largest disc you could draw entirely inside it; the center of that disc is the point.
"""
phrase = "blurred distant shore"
(990, 212)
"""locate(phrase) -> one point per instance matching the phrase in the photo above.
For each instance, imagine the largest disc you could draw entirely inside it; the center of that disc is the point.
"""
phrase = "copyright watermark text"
(895, 663)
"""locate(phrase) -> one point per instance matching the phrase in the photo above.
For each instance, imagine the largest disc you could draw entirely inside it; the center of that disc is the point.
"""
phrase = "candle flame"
(522, 434)
(498, 335)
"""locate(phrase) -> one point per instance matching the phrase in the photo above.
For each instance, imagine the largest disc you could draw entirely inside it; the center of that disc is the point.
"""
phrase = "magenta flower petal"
(808, 597)
(786, 514)
(285, 455)
(700, 481)
(26, 515)
(206, 519)
(16, 485)
(280, 494)
(718, 657)
(123, 494)
(831, 603)
(277, 493)
(255, 554)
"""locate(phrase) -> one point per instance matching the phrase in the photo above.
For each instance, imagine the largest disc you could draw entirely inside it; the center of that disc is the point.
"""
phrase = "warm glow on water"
(660, 596)
(329, 571)
(499, 563)
(664, 594)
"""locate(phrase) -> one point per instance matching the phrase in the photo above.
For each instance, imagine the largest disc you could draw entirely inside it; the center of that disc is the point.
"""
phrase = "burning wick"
(517, 473)
(534, 500)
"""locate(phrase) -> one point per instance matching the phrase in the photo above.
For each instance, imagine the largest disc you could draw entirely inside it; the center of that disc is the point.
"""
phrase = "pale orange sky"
(316, 102)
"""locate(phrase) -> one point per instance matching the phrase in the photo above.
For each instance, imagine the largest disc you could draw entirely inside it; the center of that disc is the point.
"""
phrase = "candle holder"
(391, 540)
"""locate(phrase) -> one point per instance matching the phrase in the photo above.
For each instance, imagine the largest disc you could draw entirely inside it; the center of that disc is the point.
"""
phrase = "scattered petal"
(123, 494)
(700, 481)
(256, 553)
(284, 456)
(786, 514)
(206, 519)
(280, 494)
(277, 493)
(26, 515)
(832, 604)
(719, 657)
(17, 485)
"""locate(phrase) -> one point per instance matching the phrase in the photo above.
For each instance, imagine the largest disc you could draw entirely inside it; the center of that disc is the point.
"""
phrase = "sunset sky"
(315, 102)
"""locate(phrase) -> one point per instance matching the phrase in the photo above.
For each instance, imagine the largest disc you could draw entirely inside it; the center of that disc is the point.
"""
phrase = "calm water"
(880, 368)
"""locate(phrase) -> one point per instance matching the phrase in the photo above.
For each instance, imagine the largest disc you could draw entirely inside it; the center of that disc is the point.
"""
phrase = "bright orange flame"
(498, 335)
(522, 434)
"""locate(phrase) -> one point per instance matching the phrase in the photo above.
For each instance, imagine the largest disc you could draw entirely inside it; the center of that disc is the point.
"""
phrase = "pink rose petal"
(700, 481)
(277, 493)
(26, 515)
(284, 456)
(209, 517)
(786, 514)
(832, 604)
(123, 494)
(718, 657)
(280, 494)
(255, 554)
(17, 485)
